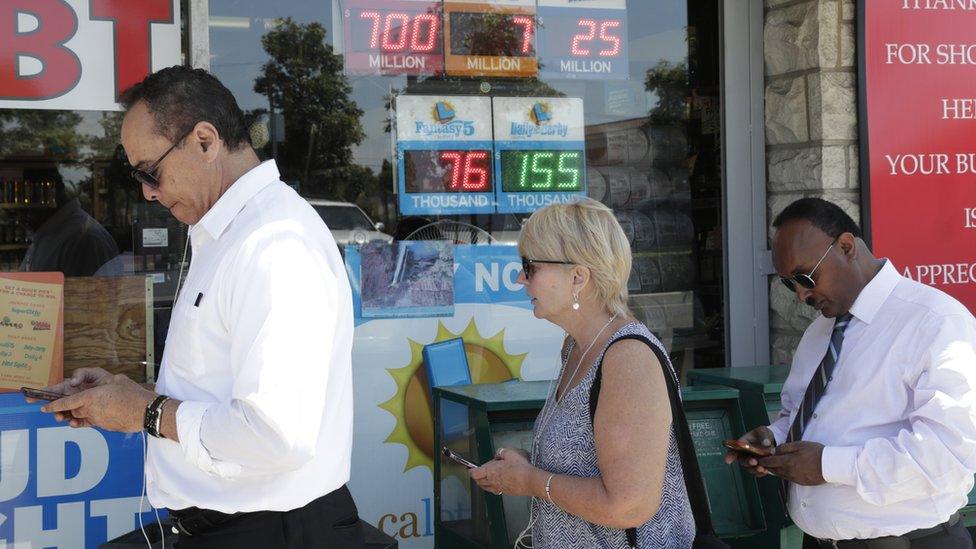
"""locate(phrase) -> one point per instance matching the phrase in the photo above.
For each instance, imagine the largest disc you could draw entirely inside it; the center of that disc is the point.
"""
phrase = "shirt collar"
(873, 296)
(220, 215)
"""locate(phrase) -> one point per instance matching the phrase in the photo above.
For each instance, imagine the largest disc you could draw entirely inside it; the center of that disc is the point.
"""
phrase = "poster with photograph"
(407, 279)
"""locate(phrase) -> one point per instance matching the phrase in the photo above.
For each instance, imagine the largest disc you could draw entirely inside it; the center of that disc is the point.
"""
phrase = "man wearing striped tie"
(876, 441)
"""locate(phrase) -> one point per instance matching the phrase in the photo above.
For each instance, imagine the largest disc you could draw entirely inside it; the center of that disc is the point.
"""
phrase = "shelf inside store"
(13, 247)
(22, 206)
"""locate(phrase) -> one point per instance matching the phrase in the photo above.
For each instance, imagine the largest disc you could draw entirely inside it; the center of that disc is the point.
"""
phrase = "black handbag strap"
(686, 448)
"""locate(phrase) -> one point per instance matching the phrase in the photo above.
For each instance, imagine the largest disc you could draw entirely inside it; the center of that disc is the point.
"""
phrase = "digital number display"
(393, 37)
(396, 32)
(583, 42)
(447, 171)
(589, 41)
(492, 34)
(542, 171)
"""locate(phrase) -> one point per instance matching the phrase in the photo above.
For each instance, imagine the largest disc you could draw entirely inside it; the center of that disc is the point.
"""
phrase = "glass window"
(344, 217)
(68, 204)
(324, 84)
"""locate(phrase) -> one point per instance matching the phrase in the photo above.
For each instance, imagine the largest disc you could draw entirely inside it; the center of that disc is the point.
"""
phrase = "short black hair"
(179, 97)
(826, 216)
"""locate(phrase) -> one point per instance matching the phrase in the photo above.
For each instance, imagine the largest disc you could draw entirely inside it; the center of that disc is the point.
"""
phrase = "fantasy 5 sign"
(63, 487)
(81, 54)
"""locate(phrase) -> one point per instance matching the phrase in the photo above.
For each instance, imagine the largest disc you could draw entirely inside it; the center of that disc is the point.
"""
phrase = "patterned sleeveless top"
(566, 446)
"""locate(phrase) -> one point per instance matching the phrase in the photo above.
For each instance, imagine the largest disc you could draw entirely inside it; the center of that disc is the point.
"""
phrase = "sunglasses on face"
(147, 177)
(528, 265)
(806, 280)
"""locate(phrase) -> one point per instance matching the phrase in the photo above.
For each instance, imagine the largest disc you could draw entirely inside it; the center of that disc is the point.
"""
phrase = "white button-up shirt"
(259, 350)
(898, 418)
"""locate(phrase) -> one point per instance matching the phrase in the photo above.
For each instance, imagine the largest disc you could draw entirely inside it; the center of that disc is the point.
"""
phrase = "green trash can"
(759, 393)
(475, 420)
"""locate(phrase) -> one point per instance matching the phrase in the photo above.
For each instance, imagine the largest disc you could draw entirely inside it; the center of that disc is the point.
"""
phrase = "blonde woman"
(593, 480)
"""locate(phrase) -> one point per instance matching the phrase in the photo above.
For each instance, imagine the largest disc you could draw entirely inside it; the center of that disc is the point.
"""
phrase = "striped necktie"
(818, 384)
(815, 390)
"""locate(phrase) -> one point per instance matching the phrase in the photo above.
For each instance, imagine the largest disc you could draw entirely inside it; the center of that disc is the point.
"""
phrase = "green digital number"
(573, 172)
(547, 172)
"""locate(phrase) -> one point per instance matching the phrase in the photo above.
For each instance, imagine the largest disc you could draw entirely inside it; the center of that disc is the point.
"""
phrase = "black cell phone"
(458, 458)
(40, 394)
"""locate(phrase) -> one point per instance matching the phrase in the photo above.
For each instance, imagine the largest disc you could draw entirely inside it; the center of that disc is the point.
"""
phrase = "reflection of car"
(349, 224)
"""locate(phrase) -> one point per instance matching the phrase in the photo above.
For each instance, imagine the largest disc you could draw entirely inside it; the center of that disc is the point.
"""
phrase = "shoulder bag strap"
(686, 448)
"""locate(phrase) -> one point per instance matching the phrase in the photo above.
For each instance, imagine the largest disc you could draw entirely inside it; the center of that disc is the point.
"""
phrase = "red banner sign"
(918, 138)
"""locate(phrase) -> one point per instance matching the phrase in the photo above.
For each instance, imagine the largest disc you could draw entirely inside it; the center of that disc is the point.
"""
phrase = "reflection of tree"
(26, 132)
(669, 81)
(496, 35)
(304, 80)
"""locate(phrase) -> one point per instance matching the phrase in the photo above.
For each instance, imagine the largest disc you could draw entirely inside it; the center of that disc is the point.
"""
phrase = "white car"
(348, 223)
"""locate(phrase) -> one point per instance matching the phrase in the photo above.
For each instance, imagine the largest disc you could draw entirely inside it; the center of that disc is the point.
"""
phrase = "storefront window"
(68, 204)
(324, 84)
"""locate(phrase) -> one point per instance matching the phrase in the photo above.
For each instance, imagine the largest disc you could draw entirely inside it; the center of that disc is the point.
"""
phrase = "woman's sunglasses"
(147, 177)
(806, 280)
(528, 265)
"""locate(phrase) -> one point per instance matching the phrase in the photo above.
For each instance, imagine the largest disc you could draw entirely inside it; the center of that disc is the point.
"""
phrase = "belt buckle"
(178, 527)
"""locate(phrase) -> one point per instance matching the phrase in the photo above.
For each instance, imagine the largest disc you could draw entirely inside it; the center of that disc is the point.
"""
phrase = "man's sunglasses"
(806, 280)
(147, 177)
(528, 265)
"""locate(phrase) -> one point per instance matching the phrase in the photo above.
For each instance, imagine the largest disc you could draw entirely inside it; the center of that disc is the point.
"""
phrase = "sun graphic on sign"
(488, 362)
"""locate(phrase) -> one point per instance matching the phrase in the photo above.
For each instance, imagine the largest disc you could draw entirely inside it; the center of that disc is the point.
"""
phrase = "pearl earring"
(575, 302)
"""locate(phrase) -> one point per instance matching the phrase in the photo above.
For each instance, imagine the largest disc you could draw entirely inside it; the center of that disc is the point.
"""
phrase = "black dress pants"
(329, 521)
(953, 537)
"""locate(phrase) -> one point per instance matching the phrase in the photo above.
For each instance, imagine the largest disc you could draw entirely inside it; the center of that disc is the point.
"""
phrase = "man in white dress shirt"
(876, 441)
(251, 418)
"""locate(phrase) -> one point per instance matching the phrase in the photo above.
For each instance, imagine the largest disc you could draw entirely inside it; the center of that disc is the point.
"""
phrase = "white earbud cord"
(142, 496)
(145, 445)
(526, 534)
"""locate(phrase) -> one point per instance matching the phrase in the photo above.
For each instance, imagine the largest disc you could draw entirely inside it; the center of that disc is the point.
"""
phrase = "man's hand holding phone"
(80, 380)
(756, 443)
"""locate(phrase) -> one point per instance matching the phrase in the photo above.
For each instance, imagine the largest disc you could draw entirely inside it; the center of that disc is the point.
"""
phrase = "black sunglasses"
(528, 268)
(806, 280)
(147, 177)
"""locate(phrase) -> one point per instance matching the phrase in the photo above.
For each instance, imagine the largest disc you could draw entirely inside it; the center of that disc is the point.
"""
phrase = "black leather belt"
(193, 520)
(903, 541)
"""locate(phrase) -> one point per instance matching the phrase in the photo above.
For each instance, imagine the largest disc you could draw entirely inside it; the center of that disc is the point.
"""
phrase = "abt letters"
(36, 33)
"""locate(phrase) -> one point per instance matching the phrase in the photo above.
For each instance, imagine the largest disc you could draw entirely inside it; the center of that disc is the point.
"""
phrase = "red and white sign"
(81, 54)
(918, 139)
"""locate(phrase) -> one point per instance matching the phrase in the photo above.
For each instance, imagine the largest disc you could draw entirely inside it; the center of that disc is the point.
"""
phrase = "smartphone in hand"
(743, 447)
(40, 394)
(458, 458)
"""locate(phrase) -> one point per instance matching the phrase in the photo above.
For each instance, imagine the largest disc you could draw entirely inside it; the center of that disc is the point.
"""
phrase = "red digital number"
(433, 24)
(590, 33)
(612, 39)
(401, 43)
(468, 169)
(528, 29)
(577, 49)
(418, 33)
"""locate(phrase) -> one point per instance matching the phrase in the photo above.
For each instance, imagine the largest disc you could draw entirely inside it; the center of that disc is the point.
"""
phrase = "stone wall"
(811, 128)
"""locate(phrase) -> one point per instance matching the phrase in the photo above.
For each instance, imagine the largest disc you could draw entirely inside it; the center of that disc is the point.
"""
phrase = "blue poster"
(63, 487)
